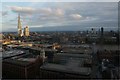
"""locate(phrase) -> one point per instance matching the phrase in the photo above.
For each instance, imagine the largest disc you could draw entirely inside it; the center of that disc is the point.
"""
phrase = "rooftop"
(74, 55)
(12, 53)
(39, 49)
(74, 64)
(22, 60)
(19, 57)
(67, 68)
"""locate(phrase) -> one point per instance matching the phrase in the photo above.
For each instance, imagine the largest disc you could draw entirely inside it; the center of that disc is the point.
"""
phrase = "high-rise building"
(102, 37)
(26, 31)
(102, 31)
(20, 31)
(19, 26)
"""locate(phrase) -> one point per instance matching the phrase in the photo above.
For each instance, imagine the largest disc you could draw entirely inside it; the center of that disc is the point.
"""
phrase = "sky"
(60, 15)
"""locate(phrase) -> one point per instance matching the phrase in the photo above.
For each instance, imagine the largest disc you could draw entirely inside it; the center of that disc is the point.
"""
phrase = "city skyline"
(61, 16)
(59, 39)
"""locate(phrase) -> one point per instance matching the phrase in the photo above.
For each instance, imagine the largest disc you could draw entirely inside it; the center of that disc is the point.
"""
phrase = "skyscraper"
(102, 38)
(26, 31)
(19, 26)
(102, 31)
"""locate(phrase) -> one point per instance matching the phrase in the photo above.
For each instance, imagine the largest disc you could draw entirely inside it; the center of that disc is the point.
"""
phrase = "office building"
(26, 31)
(21, 67)
(20, 31)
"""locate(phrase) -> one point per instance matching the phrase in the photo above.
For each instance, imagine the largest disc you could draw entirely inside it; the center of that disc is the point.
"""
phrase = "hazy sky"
(82, 15)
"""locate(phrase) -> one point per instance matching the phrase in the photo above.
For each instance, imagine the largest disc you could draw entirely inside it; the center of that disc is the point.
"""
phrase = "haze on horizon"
(47, 16)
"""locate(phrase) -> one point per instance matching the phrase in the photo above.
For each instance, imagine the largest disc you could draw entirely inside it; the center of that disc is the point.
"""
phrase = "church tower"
(42, 55)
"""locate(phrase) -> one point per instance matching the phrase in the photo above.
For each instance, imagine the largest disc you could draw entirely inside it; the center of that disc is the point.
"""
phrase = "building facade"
(26, 31)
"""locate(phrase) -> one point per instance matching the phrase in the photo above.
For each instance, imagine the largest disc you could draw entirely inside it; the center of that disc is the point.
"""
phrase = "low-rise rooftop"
(22, 60)
(67, 69)
(74, 64)
(12, 53)
(74, 55)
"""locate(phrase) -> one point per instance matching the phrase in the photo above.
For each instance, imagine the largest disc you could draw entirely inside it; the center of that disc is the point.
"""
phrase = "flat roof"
(79, 50)
(22, 60)
(81, 45)
(39, 49)
(73, 64)
(16, 62)
(11, 53)
(67, 69)
(27, 59)
(74, 55)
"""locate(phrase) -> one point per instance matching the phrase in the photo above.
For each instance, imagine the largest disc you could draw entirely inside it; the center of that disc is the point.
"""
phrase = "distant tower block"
(26, 31)
(19, 26)
(102, 31)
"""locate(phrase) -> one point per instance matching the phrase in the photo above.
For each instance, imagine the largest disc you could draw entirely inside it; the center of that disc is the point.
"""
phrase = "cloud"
(4, 13)
(54, 14)
(44, 10)
(76, 16)
(91, 18)
(59, 12)
(60, 0)
(26, 10)
(38, 16)
(40, 11)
